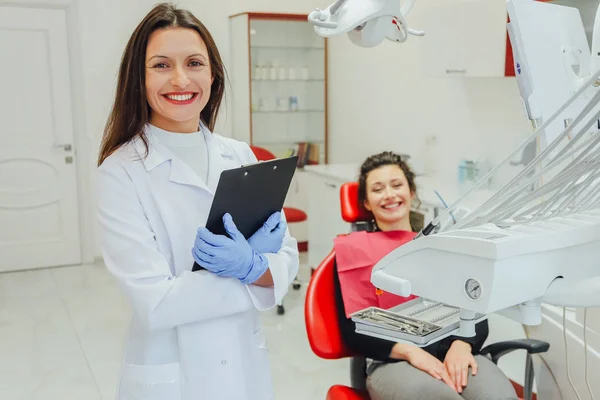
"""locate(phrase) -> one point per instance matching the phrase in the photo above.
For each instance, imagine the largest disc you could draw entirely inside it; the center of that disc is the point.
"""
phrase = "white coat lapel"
(158, 154)
(181, 173)
(220, 158)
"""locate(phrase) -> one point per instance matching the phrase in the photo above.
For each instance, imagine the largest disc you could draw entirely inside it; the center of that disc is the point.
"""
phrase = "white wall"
(380, 99)
(104, 28)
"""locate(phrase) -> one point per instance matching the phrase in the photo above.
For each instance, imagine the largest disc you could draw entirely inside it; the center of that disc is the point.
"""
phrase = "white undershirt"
(188, 147)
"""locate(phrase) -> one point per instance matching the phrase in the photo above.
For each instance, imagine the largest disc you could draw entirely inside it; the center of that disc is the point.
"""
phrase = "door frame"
(82, 140)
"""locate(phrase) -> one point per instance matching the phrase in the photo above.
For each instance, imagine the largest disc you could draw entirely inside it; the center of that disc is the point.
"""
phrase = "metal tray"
(419, 321)
(385, 319)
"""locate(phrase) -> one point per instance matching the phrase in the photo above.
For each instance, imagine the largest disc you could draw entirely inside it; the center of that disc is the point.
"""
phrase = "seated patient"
(396, 370)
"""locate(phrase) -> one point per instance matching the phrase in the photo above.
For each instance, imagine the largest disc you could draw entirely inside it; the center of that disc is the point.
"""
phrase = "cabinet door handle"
(66, 146)
(331, 185)
(456, 71)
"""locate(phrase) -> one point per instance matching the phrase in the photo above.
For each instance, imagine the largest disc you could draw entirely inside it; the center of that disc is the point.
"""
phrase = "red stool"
(292, 215)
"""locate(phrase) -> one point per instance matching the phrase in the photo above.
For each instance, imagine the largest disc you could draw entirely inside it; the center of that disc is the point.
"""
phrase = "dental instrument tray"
(419, 321)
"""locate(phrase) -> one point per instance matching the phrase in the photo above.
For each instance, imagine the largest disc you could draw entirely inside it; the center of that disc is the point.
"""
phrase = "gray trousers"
(402, 381)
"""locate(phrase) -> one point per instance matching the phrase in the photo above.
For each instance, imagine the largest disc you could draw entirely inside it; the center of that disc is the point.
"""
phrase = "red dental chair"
(324, 335)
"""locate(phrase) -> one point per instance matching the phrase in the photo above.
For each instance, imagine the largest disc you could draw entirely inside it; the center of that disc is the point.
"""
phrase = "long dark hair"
(377, 161)
(130, 110)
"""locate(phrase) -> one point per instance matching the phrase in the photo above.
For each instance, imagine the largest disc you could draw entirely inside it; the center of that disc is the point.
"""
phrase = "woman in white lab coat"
(194, 335)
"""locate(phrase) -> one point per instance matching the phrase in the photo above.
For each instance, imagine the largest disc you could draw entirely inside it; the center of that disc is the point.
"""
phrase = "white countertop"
(340, 172)
(426, 185)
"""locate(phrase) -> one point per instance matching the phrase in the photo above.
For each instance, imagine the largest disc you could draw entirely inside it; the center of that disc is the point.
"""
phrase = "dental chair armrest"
(497, 350)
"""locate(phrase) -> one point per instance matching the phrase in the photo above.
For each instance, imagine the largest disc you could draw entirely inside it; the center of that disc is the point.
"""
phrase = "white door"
(39, 222)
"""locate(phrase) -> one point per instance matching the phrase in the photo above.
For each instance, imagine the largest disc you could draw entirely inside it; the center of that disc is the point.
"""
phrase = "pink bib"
(355, 255)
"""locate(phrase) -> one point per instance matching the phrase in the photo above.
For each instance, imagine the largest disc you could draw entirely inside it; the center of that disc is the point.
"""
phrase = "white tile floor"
(62, 332)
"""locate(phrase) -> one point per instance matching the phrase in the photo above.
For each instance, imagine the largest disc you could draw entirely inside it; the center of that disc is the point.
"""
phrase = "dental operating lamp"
(366, 22)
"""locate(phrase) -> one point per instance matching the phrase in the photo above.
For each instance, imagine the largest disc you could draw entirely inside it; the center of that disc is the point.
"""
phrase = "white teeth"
(391, 205)
(180, 97)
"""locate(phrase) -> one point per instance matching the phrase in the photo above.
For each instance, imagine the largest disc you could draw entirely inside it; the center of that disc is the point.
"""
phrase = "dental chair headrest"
(351, 211)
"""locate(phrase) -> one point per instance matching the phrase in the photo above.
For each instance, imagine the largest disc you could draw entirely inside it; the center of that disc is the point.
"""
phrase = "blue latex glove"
(269, 237)
(229, 256)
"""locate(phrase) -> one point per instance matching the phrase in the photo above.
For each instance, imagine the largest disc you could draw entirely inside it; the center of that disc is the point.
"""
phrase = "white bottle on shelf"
(257, 72)
(282, 73)
(305, 72)
(291, 73)
(273, 71)
(264, 72)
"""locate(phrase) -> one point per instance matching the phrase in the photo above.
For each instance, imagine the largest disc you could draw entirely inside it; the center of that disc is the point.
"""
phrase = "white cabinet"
(297, 197)
(464, 38)
(324, 216)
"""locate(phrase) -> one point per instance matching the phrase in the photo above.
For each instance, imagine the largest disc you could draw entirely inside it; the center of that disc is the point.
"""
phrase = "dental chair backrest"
(352, 212)
(321, 316)
(321, 313)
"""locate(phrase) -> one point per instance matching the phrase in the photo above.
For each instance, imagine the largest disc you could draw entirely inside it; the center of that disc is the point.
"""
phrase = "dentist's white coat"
(194, 335)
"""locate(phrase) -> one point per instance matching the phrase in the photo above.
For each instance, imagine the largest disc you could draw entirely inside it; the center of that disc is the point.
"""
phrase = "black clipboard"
(251, 194)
